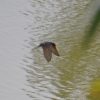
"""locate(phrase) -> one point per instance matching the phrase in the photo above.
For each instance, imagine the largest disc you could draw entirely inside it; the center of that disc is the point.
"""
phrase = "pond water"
(25, 74)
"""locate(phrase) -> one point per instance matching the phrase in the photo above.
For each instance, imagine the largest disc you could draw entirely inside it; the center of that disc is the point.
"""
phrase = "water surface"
(25, 74)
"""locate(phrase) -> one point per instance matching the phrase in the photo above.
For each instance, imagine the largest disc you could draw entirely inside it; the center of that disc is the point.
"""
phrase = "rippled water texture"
(24, 72)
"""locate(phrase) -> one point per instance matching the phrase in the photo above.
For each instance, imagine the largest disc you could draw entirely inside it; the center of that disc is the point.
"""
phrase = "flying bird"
(48, 49)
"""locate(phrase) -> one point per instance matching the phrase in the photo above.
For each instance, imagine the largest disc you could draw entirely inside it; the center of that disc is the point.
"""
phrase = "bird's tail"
(37, 47)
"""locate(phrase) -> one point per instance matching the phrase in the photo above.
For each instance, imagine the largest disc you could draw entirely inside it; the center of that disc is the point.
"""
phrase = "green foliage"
(94, 91)
(92, 29)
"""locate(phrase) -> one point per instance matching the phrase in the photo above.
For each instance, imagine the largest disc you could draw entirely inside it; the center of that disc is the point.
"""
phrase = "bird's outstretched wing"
(47, 53)
(54, 50)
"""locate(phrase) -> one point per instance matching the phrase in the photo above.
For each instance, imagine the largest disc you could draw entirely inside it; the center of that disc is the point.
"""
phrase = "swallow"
(48, 49)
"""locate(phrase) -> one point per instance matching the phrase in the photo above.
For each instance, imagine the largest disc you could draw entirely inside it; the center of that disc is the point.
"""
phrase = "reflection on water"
(65, 77)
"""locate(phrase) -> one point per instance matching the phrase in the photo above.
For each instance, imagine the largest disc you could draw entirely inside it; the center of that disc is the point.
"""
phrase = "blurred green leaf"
(94, 91)
(91, 32)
